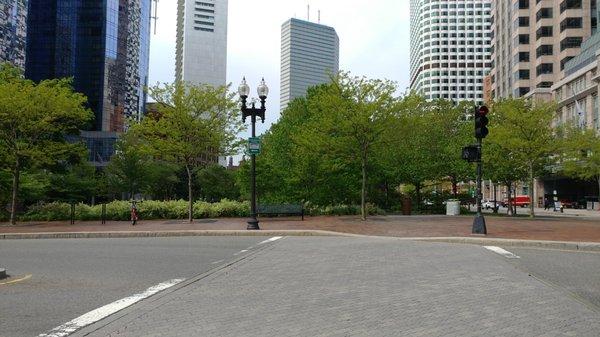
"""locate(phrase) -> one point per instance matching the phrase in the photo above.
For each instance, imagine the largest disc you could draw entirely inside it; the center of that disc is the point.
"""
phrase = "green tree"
(217, 183)
(354, 114)
(581, 154)
(34, 120)
(523, 129)
(192, 127)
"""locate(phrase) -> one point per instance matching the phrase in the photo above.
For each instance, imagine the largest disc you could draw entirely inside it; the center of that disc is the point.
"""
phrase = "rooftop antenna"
(308, 12)
(155, 16)
(319, 11)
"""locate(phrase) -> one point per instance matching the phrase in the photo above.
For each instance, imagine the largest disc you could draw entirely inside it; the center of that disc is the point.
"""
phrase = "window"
(521, 74)
(545, 31)
(544, 84)
(544, 68)
(523, 38)
(570, 42)
(542, 50)
(564, 61)
(543, 13)
(569, 4)
(571, 23)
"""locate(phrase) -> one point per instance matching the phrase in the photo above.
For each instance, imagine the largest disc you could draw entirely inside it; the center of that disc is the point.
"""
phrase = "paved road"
(575, 272)
(71, 277)
(360, 287)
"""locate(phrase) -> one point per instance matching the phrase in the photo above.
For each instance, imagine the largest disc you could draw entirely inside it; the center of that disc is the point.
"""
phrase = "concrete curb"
(181, 233)
(560, 245)
(542, 244)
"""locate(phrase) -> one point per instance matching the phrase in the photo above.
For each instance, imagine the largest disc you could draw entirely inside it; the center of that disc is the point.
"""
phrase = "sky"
(374, 41)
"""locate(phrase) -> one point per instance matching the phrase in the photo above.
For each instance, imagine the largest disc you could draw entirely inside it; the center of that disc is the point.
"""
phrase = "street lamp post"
(253, 112)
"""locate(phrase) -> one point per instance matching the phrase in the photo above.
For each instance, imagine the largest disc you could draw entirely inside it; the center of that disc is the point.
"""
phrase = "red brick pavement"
(548, 228)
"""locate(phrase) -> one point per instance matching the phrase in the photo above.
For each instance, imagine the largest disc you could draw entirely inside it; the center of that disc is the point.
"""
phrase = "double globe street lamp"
(253, 112)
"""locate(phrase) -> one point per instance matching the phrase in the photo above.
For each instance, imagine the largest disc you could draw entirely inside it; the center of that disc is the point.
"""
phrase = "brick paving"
(360, 287)
(543, 228)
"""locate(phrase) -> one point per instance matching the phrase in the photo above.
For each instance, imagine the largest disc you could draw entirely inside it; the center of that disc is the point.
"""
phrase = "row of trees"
(354, 141)
(175, 145)
(351, 141)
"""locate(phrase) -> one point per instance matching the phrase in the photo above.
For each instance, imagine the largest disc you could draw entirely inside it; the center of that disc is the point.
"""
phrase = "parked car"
(489, 204)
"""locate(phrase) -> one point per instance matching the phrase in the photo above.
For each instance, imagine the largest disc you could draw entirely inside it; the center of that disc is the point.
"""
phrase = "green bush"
(150, 209)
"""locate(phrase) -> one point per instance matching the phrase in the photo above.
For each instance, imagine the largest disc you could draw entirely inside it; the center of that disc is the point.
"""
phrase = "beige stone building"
(532, 42)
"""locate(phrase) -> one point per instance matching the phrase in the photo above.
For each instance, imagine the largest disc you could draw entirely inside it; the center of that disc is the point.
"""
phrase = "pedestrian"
(134, 213)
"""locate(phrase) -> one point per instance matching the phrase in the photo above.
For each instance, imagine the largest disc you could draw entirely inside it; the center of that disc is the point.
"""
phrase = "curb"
(559, 245)
(542, 244)
(152, 234)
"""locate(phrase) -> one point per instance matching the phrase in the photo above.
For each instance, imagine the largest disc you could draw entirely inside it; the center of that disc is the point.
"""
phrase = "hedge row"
(176, 209)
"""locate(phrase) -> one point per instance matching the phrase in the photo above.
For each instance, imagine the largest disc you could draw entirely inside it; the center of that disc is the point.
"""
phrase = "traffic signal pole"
(479, 221)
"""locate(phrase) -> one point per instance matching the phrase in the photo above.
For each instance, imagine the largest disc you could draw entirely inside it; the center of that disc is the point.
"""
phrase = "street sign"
(254, 145)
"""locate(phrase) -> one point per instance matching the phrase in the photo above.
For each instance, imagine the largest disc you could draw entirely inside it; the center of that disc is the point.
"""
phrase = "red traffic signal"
(481, 122)
(483, 110)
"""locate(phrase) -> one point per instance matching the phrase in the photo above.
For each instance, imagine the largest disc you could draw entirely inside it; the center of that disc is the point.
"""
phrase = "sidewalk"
(358, 287)
(543, 228)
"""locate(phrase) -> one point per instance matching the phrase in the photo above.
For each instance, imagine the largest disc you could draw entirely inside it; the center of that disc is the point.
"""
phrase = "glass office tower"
(104, 45)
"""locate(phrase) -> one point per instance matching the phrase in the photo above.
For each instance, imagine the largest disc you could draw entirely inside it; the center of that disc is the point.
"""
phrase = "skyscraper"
(104, 46)
(309, 55)
(533, 40)
(13, 31)
(450, 47)
(201, 51)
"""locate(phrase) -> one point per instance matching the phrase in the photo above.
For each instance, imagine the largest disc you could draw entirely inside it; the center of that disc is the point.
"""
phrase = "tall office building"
(450, 45)
(201, 51)
(13, 31)
(533, 40)
(309, 55)
(104, 46)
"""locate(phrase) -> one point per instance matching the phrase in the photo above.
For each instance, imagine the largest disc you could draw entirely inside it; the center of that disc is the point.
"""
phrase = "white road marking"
(502, 252)
(275, 238)
(217, 261)
(107, 310)
(240, 252)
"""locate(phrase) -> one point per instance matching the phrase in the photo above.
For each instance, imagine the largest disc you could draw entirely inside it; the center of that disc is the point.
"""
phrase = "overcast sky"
(374, 40)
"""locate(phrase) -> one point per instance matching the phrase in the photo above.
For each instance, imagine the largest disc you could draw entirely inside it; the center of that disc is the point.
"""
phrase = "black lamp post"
(253, 112)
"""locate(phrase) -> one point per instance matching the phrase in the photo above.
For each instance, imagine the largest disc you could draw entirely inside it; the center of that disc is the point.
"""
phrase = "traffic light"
(481, 122)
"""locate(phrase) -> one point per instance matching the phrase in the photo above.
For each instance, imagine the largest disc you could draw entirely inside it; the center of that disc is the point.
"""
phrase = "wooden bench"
(273, 210)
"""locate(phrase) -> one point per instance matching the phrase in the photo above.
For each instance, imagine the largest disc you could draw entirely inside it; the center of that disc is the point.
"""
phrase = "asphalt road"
(73, 276)
(576, 273)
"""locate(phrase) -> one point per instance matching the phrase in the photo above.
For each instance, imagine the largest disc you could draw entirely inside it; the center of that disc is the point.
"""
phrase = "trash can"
(452, 207)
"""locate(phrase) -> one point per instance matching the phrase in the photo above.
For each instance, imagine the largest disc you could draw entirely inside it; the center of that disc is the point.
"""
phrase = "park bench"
(274, 210)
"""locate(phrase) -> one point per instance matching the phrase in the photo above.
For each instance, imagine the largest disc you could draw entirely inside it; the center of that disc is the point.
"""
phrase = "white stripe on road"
(502, 252)
(275, 238)
(107, 310)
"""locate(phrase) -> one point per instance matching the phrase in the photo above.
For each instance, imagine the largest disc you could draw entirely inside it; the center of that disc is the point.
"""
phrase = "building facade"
(309, 56)
(13, 31)
(201, 46)
(532, 42)
(104, 46)
(450, 47)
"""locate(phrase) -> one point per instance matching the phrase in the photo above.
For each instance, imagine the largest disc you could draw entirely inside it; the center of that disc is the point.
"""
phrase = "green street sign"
(254, 145)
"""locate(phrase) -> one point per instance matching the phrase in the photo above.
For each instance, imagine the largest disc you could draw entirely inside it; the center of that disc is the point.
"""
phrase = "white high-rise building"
(450, 48)
(309, 55)
(201, 53)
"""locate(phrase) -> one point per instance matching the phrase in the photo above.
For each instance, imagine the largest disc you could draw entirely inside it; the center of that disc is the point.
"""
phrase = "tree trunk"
(598, 178)
(15, 188)
(363, 194)
(531, 193)
(418, 194)
(190, 199)
(495, 186)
